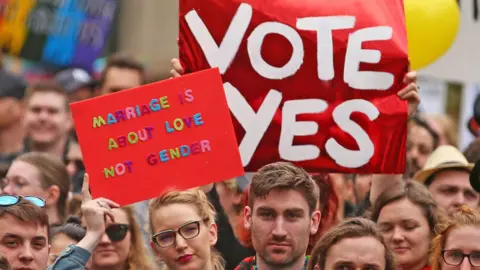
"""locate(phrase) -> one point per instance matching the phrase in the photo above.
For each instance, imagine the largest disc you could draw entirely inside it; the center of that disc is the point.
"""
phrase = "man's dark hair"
(123, 61)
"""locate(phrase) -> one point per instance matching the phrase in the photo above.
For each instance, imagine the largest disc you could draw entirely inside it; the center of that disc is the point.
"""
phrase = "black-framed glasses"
(456, 257)
(9, 200)
(167, 238)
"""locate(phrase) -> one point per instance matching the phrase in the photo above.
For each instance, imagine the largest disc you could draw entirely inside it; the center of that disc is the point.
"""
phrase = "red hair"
(328, 205)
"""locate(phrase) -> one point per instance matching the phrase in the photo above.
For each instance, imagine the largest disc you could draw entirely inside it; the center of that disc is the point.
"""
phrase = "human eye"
(410, 226)
(266, 214)
(293, 215)
(38, 244)
(10, 243)
(343, 267)
(385, 227)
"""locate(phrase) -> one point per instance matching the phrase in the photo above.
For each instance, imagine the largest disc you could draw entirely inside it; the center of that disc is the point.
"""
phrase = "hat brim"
(475, 177)
(423, 175)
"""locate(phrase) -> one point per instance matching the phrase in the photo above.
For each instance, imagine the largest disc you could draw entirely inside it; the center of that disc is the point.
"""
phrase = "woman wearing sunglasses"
(184, 231)
(457, 244)
(121, 246)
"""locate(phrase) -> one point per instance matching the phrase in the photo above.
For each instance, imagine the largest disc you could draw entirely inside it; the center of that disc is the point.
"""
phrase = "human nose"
(26, 254)
(465, 264)
(397, 235)
(105, 239)
(279, 229)
(180, 243)
(459, 199)
(8, 189)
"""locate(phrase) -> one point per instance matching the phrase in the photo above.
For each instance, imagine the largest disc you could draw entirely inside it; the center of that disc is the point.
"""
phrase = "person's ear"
(247, 217)
(315, 222)
(213, 232)
(52, 196)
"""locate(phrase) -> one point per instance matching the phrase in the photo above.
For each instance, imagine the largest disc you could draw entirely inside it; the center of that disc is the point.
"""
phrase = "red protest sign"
(312, 82)
(176, 133)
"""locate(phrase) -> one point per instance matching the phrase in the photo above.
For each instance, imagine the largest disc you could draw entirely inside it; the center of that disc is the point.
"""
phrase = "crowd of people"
(282, 218)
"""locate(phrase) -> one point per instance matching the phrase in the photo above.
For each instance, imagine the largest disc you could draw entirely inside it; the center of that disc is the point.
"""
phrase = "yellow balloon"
(432, 27)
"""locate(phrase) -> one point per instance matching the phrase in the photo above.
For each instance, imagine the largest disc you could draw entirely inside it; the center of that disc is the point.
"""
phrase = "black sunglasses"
(117, 232)
(9, 200)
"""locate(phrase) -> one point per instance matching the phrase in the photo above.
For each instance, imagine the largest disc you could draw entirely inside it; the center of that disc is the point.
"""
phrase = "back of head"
(71, 228)
(416, 193)
(283, 176)
(53, 173)
(123, 61)
(27, 212)
(350, 228)
(463, 217)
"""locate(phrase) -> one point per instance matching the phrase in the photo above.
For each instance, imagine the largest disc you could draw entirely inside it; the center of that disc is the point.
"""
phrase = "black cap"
(74, 79)
(475, 176)
(11, 85)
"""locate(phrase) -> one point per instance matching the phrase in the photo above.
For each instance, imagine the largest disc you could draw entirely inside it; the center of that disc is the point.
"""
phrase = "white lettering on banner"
(341, 116)
(266, 70)
(324, 27)
(256, 124)
(366, 80)
(290, 128)
(223, 55)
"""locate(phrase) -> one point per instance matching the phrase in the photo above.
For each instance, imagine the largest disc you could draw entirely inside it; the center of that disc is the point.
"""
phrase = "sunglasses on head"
(117, 232)
(9, 200)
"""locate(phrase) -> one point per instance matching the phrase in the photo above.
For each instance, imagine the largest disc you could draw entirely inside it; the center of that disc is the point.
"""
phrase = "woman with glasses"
(121, 246)
(457, 244)
(407, 216)
(184, 231)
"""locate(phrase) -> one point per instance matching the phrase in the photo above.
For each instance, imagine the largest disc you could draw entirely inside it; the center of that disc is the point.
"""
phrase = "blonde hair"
(53, 173)
(464, 216)
(203, 207)
(138, 258)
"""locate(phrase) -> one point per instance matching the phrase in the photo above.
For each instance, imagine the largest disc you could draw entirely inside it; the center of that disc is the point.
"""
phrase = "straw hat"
(444, 157)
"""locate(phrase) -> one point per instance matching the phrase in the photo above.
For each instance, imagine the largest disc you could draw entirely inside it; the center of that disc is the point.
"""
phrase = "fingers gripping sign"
(96, 211)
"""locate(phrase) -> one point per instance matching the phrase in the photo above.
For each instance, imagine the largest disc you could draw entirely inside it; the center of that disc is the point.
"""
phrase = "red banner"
(311, 82)
(172, 134)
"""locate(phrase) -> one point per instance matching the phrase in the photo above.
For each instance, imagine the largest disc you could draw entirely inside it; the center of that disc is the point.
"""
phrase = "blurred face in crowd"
(47, 119)
(11, 111)
(460, 241)
(25, 179)
(281, 225)
(58, 244)
(355, 253)
(182, 239)
(406, 229)
(80, 94)
(420, 145)
(112, 254)
(74, 159)
(451, 189)
(25, 245)
(117, 79)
